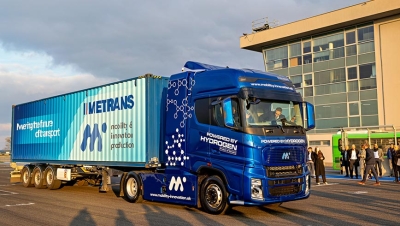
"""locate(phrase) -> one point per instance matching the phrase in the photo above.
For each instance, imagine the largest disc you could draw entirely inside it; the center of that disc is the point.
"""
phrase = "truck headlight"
(256, 189)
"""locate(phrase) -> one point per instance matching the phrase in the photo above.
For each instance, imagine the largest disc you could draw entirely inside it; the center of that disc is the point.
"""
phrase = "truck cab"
(241, 133)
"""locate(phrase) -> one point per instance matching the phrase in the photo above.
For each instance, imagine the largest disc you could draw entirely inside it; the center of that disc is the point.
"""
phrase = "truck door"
(226, 146)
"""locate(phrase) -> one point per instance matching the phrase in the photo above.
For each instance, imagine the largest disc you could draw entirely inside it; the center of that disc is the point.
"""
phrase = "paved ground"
(342, 202)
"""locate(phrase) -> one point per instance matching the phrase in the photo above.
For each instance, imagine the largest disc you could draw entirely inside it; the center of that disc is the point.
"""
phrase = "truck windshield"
(267, 112)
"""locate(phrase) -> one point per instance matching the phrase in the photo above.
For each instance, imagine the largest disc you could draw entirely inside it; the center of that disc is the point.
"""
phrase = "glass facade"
(336, 72)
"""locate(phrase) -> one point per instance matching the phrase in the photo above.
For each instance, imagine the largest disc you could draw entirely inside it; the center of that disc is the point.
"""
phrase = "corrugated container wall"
(118, 124)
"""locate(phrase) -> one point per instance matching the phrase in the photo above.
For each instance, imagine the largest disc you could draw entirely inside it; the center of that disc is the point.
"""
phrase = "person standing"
(353, 161)
(389, 155)
(369, 165)
(345, 159)
(395, 158)
(378, 154)
(310, 161)
(361, 162)
(320, 167)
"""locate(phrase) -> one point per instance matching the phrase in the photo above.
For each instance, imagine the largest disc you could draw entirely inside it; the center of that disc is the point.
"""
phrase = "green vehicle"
(381, 135)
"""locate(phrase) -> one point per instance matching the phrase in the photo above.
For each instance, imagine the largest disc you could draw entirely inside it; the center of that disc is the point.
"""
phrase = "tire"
(133, 188)
(38, 177)
(26, 176)
(213, 196)
(50, 177)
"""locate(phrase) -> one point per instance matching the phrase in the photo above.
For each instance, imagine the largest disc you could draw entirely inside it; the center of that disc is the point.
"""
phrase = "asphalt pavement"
(341, 202)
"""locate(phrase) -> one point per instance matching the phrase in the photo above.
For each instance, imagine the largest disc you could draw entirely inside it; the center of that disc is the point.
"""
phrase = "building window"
(331, 111)
(366, 47)
(307, 47)
(329, 54)
(308, 80)
(307, 59)
(351, 50)
(330, 89)
(297, 81)
(277, 58)
(368, 84)
(350, 37)
(367, 71)
(353, 109)
(354, 121)
(351, 73)
(331, 76)
(369, 107)
(295, 54)
(352, 86)
(331, 123)
(308, 91)
(328, 42)
(365, 33)
(319, 142)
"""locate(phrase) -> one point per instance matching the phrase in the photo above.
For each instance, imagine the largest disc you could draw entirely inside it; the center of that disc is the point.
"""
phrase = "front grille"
(285, 181)
(284, 171)
(284, 190)
(283, 155)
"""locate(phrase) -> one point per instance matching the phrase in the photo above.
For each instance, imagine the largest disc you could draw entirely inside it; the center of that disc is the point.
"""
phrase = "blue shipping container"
(116, 124)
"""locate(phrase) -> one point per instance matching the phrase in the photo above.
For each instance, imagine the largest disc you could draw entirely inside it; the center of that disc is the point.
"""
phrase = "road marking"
(326, 184)
(8, 192)
(358, 192)
(21, 204)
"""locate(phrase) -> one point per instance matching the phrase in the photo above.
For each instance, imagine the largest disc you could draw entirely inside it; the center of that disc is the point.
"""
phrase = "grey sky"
(108, 40)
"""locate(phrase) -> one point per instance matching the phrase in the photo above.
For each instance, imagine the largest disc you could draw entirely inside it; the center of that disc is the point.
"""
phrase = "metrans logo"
(93, 135)
(107, 105)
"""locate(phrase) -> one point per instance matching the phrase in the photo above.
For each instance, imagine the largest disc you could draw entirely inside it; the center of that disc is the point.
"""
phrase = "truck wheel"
(51, 178)
(133, 188)
(213, 196)
(26, 178)
(37, 177)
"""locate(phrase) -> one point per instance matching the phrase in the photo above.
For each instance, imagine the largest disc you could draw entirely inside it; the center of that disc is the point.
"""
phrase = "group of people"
(315, 164)
(369, 161)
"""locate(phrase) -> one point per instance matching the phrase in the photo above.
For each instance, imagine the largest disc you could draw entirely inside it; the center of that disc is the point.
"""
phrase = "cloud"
(20, 84)
(102, 41)
(126, 38)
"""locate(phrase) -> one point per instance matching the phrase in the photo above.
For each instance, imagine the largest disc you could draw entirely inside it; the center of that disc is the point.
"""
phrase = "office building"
(345, 62)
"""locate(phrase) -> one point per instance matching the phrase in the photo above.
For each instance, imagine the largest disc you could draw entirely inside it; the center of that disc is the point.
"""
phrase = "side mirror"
(310, 116)
(228, 114)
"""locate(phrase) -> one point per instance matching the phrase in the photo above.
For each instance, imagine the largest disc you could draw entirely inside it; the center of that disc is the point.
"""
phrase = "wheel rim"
(132, 187)
(25, 176)
(214, 195)
(50, 177)
(37, 177)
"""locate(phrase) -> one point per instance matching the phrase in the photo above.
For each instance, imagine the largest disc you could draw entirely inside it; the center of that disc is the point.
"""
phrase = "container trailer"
(210, 137)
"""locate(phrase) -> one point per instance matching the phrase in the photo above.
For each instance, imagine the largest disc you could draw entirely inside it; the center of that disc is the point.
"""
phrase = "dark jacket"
(369, 157)
(343, 152)
(320, 168)
(395, 156)
(349, 154)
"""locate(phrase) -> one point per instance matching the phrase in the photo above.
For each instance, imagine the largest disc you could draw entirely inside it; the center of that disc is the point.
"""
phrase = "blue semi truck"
(210, 137)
